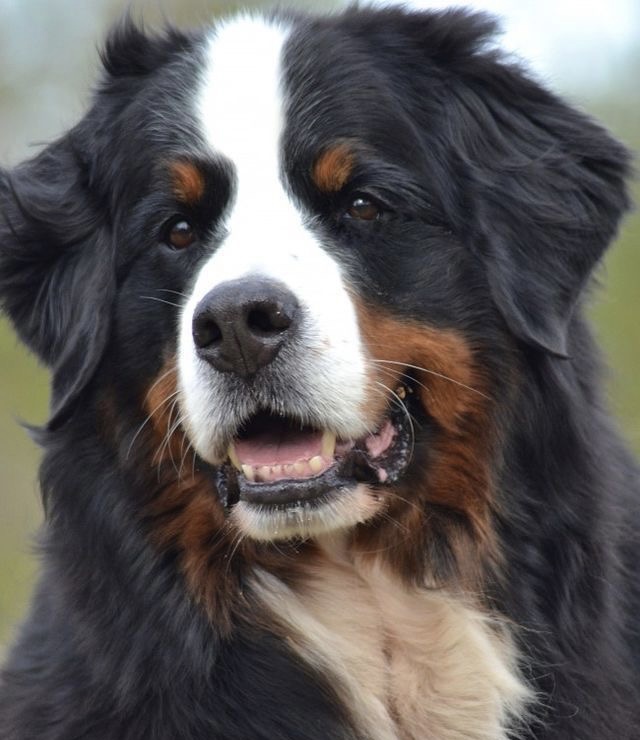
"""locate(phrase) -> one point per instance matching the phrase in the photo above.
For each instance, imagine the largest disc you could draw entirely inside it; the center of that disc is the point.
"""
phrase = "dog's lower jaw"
(337, 510)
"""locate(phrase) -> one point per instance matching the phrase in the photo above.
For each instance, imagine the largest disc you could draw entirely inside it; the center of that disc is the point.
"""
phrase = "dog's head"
(315, 247)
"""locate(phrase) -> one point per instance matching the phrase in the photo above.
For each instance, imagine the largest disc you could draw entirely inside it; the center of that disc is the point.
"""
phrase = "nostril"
(240, 325)
(268, 319)
(206, 332)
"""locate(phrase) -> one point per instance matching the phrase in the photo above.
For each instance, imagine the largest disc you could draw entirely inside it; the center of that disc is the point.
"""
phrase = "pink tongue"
(284, 448)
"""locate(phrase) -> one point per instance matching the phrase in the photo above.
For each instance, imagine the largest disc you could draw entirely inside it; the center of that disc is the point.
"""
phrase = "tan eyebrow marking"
(333, 168)
(188, 182)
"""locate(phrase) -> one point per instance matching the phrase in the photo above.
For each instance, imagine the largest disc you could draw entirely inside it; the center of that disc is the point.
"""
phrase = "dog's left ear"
(56, 268)
(548, 199)
(545, 189)
(542, 187)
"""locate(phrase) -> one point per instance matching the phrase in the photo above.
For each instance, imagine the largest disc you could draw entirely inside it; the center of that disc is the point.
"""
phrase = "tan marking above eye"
(181, 235)
(333, 168)
(363, 209)
(188, 182)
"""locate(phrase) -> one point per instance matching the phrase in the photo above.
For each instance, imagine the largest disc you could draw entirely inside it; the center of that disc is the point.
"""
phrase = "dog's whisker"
(166, 441)
(157, 381)
(412, 504)
(436, 374)
(168, 446)
(238, 538)
(193, 463)
(174, 292)
(185, 447)
(159, 300)
(147, 419)
(390, 373)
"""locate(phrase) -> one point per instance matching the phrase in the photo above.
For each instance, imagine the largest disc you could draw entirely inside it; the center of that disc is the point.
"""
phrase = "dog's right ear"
(56, 267)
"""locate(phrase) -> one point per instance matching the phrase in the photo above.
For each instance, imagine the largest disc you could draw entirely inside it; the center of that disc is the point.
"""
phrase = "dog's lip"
(343, 475)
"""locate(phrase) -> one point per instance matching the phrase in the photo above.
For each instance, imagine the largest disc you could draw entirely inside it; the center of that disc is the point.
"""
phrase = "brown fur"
(333, 168)
(187, 515)
(453, 389)
(188, 182)
(410, 662)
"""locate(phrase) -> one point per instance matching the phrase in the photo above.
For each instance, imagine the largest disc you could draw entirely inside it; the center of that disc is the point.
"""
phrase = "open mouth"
(277, 460)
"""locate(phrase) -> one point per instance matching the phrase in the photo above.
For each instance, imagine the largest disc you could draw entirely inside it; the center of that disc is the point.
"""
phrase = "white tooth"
(248, 472)
(289, 470)
(233, 457)
(276, 471)
(300, 467)
(263, 472)
(316, 464)
(328, 445)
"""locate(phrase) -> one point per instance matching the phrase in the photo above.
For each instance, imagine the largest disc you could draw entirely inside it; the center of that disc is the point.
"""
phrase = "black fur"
(508, 200)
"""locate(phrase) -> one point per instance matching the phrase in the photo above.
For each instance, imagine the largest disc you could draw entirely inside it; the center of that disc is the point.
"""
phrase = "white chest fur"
(409, 665)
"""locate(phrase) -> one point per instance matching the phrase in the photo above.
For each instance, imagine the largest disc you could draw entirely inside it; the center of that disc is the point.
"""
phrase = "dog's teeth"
(248, 472)
(401, 392)
(289, 470)
(300, 467)
(316, 464)
(234, 458)
(263, 473)
(277, 471)
(328, 447)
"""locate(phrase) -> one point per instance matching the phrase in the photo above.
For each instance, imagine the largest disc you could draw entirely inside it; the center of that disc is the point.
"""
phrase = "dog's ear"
(542, 186)
(56, 268)
(546, 189)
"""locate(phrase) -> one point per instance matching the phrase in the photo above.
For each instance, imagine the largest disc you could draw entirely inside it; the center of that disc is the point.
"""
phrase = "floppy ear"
(56, 269)
(545, 189)
(541, 186)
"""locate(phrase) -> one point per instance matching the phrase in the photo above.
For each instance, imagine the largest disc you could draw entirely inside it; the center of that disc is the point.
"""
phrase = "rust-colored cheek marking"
(333, 168)
(185, 514)
(453, 390)
(188, 182)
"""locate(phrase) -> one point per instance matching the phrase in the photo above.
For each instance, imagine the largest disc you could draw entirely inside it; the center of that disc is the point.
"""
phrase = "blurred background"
(589, 52)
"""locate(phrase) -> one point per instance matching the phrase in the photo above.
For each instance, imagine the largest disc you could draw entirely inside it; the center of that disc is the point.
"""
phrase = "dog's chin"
(285, 479)
(336, 510)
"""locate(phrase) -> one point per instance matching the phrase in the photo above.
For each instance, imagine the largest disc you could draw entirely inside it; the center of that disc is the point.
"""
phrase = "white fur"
(410, 664)
(307, 520)
(241, 107)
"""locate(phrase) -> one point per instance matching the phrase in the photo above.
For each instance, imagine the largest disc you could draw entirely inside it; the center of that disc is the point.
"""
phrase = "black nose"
(240, 326)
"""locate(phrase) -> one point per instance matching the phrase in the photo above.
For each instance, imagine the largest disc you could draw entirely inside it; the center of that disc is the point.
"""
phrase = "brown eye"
(180, 235)
(363, 209)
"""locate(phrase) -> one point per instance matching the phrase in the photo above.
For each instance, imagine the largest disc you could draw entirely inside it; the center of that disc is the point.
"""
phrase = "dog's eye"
(363, 209)
(179, 234)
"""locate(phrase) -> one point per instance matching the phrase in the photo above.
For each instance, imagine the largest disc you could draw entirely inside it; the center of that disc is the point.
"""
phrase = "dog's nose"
(240, 326)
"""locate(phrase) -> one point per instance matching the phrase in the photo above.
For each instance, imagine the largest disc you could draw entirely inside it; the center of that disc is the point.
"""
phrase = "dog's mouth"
(277, 460)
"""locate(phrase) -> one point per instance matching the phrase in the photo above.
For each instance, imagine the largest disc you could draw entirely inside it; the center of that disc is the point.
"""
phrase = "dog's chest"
(409, 665)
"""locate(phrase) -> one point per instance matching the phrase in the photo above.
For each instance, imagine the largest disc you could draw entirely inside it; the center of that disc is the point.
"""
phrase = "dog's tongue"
(271, 448)
(283, 446)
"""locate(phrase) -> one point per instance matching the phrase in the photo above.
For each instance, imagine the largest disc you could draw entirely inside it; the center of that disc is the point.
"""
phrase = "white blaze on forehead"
(241, 100)
(241, 106)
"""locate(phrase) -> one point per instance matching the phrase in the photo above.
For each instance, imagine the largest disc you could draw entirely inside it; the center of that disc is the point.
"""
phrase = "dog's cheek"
(446, 502)
(180, 512)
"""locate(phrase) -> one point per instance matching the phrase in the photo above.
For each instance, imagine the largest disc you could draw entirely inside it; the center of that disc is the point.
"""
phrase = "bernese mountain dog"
(328, 457)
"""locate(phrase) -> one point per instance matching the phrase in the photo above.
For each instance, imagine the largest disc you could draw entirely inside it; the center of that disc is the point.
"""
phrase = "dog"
(327, 455)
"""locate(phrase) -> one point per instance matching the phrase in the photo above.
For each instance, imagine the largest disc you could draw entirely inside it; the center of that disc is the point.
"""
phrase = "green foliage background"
(23, 385)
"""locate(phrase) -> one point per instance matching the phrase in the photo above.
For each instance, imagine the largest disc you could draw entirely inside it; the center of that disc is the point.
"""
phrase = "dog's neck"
(409, 663)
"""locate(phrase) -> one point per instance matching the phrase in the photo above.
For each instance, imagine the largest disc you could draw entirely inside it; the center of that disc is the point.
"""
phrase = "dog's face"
(309, 254)
(289, 371)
